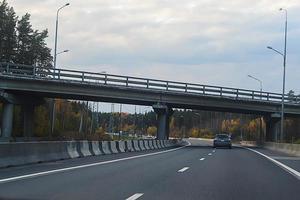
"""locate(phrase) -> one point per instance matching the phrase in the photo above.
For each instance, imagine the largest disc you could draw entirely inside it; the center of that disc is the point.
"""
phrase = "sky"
(213, 42)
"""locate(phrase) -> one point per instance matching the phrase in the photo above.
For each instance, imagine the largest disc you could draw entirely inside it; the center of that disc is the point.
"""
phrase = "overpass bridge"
(28, 85)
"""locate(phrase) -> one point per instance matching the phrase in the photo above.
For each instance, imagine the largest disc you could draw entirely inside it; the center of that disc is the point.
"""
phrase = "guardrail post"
(82, 77)
(252, 94)
(203, 89)
(58, 73)
(105, 79)
(167, 85)
(33, 70)
(147, 83)
(186, 87)
(221, 91)
(126, 81)
(237, 93)
(268, 96)
(7, 68)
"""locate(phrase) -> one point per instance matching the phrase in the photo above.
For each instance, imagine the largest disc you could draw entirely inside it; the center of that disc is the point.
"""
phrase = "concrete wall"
(20, 153)
(291, 149)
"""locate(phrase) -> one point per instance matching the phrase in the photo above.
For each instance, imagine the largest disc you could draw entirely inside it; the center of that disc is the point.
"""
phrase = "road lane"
(227, 174)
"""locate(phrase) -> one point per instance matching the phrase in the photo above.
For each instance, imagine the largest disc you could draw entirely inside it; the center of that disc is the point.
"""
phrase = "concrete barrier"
(12, 154)
(158, 144)
(113, 146)
(146, 144)
(162, 143)
(72, 149)
(292, 149)
(154, 142)
(95, 148)
(151, 144)
(166, 143)
(141, 145)
(83, 148)
(121, 146)
(136, 145)
(105, 147)
(129, 146)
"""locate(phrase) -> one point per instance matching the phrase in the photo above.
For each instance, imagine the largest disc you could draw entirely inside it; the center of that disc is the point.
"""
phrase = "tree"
(8, 22)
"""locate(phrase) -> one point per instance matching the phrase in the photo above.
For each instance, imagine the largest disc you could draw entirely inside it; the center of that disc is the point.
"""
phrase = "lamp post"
(56, 30)
(64, 51)
(54, 65)
(260, 119)
(260, 82)
(284, 68)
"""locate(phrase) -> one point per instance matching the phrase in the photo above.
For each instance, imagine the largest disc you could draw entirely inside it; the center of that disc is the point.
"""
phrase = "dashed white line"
(214, 151)
(210, 154)
(135, 196)
(202, 159)
(283, 166)
(183, 169)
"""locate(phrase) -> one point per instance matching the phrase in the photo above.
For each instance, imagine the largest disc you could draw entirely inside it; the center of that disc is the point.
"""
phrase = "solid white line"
(85, 166)
(135, 196)
(183, 169)
(202, 158)
(210, 154)
(283, 166)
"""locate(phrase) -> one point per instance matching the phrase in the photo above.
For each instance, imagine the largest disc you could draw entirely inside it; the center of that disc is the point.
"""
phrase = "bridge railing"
(82, 77)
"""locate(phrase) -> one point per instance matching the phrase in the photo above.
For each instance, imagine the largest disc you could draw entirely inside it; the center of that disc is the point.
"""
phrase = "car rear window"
(222, 136)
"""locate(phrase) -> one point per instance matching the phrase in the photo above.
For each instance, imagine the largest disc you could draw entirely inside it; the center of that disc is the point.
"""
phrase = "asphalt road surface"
(193, 172)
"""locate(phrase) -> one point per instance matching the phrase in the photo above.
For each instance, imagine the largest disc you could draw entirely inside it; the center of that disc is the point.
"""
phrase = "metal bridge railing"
(35, 72)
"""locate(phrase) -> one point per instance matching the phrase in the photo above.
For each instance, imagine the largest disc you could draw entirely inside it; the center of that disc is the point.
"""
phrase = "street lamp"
(55, 55)
(65, 51)
(260, 82)
(284, 67)
(56, 29)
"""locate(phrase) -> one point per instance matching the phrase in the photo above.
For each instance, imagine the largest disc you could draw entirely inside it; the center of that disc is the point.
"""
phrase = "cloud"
(214, 42)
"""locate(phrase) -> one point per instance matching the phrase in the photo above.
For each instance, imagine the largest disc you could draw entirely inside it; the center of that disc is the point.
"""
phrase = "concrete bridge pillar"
(272, 127)
(7, 120)
(163, 116)
(28, 120)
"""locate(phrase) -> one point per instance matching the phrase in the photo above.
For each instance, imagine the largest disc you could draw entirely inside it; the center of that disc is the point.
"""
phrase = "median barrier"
(136, 145)
(128, 146)
(158, 144)
(155, 144)
(12, 154)
(113, 147)
(151, 144)
(292, 149)
(141, 145)
(72, 149)
(166, 143)
(105, 147)
(162, 143)
(121, 146)
(146, 144)
(95, 148)
(83, 148)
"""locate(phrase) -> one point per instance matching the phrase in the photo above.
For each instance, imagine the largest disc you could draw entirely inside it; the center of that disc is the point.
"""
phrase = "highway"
(194, 172)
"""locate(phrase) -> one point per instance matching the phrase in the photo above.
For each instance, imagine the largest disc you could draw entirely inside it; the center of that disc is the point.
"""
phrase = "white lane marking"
(183, 169)
(85, 166)
(210, 154)
(214, 151)
(285, 158)
(135, 196)
(283, 166)
(202, 158)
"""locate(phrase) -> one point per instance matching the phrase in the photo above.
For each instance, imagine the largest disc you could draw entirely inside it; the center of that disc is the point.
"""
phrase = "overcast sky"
(216, 42)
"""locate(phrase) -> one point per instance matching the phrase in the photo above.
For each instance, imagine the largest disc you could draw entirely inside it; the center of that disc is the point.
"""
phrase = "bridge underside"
(14, 90)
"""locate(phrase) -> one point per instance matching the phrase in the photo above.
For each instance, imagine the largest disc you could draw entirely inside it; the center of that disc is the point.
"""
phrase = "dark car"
(222, 140)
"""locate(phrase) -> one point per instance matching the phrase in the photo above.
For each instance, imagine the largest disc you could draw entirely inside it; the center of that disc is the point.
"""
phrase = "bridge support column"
(28, 113)
(272, 127)
(163, 116)
(7, 120)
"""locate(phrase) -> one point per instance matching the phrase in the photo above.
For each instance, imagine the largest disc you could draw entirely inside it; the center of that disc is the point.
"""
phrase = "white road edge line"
(135, 196)
(86, 165)
(202, 159)
(183, 169)
(283, 166)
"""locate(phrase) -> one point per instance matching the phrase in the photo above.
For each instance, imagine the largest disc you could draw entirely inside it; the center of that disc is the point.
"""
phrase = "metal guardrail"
(35, 72)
